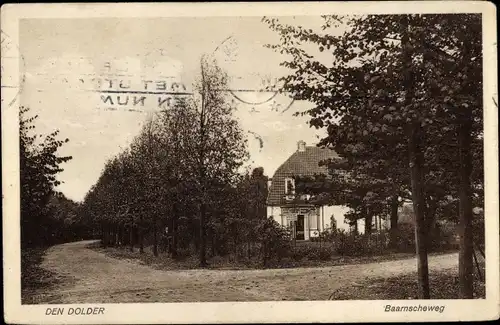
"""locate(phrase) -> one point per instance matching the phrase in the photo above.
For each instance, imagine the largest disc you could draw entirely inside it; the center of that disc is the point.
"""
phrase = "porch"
(304, 221)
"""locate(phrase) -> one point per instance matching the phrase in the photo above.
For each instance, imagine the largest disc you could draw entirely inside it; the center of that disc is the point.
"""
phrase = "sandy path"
(92, 277)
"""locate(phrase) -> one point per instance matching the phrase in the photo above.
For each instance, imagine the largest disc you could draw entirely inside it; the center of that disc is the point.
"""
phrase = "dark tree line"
(47, 216)
(401, 99)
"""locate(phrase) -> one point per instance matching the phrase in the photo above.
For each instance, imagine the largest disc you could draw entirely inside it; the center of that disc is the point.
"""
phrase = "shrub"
(329, 234)
(299, 253)
(182, 253)
(478, 231)
(444, 237)
(349, 244)
(378, 243)
(319, 254)
(352, 244)
(275, 240)
(217, 261)
(312, 253)
(406, 237)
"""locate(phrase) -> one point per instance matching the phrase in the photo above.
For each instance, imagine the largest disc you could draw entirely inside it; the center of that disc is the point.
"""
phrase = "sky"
(64, 57)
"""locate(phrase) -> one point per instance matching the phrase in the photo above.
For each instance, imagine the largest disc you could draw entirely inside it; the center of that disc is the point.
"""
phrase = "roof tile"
(305, 163)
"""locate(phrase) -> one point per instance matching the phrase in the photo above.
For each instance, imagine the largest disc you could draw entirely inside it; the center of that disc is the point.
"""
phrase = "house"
(305, 219)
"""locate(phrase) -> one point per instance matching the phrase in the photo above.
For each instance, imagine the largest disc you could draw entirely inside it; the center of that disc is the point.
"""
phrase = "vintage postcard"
(250, 162)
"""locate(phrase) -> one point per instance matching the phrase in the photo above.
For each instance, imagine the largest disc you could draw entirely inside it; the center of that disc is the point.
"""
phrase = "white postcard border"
(245, 312)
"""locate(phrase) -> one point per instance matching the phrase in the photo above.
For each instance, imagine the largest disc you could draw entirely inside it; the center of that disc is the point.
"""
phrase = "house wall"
(322, 219)
(321, 222)
(338, 212)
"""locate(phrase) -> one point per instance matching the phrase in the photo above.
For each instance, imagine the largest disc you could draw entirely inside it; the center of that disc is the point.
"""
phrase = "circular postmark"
(244, 81)
(12, 70)
(252, 87)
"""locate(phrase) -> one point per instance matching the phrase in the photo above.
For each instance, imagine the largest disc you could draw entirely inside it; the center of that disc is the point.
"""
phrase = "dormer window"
(289, 186)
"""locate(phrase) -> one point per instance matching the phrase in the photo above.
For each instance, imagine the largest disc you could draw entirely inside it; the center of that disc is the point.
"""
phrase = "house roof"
(300, 163)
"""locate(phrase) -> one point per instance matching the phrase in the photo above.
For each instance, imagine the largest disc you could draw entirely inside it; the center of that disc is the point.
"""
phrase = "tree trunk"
(141, 235)
(155, 237)
(141, 241)
(416, 163)
(117, 235)
(203, 238)
(430, 217)
(131, 239)
(212, 242)
(418, 205)
(103, 236)
(368, 226)
(173, 244)
(235, 243)
(466, 265)
(249, 250)
(109, 235)
(393, 232)
(123, 235)
(120, 234)
(368, 230)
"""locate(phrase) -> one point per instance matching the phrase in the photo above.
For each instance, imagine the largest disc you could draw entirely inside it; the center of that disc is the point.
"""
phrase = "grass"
(164, 262)
(34, 278)
(443, 285)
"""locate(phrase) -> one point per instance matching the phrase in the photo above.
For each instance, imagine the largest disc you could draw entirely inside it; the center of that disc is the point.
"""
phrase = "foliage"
(358, 99)
(312, 253)
(275, 240)
(179, 186)
(400, 97)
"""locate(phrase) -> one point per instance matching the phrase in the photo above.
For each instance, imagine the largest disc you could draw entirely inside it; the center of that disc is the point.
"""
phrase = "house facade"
(306, 220)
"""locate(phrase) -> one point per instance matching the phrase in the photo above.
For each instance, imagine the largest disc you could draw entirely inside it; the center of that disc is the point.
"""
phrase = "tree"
(176, 165)
(39, 166)
(392, 78)
(184, 161)
(252, 194)
(220, 147)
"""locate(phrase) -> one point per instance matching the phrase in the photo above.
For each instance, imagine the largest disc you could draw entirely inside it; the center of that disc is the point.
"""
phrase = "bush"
(352, 244)
(312, 253)
(275, 240)
(319, 254)
(329, 234)
(406, 237)
(444, 237)
(183, 253)
(217, 261)
(299, 253)
(478, 231)
(379, 242)
(349, 244)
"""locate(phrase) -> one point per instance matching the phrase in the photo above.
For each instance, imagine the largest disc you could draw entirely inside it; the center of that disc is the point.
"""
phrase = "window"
(289, 186)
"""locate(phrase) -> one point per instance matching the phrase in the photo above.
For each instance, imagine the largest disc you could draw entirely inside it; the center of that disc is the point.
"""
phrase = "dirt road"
(92, 277)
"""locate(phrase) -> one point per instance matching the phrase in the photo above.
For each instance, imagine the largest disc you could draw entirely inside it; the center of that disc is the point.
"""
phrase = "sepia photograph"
(181, 157)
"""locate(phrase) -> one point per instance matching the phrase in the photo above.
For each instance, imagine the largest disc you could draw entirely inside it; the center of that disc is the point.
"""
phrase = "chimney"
(301, 146)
